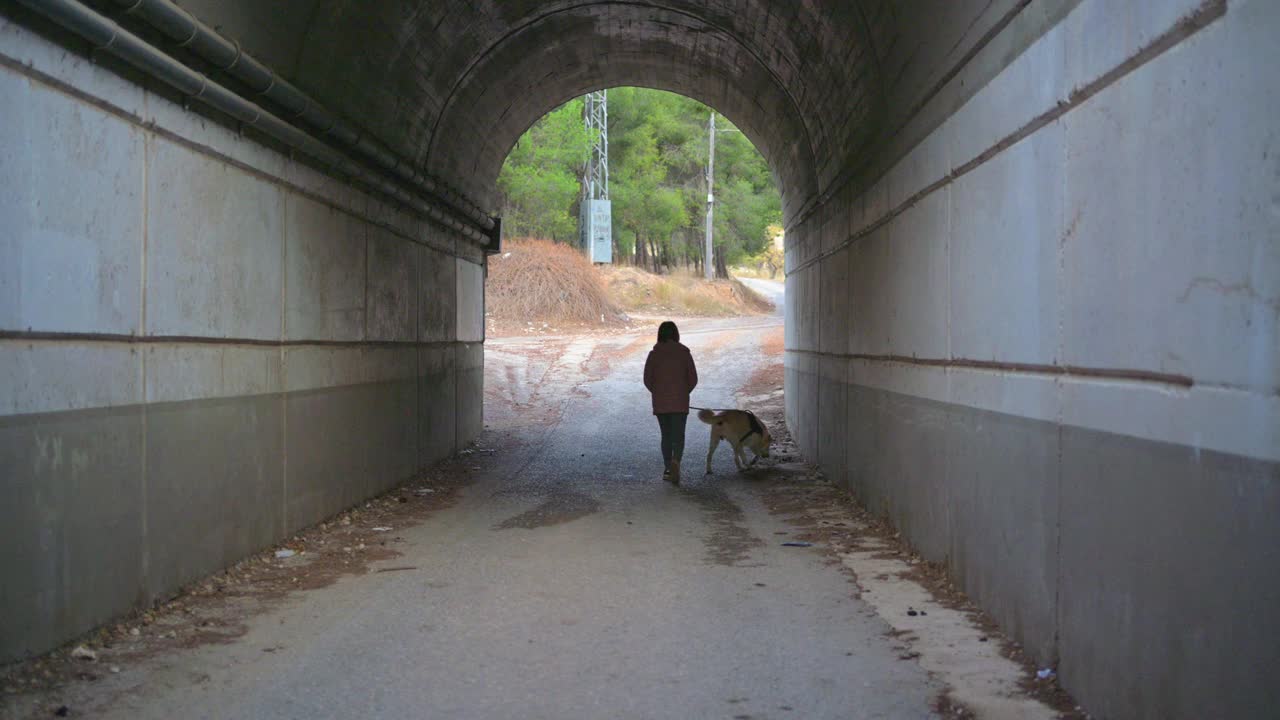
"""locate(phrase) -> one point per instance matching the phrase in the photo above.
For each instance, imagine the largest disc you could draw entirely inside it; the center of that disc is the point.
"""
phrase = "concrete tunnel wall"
(206, 346)
(1044, 343)
(1032, 276)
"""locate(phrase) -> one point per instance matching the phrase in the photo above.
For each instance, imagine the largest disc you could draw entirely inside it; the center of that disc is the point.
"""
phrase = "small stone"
(83, 653)
(115, 669)
(135, 632)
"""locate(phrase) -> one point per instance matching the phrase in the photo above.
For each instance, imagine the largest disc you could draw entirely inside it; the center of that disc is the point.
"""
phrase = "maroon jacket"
(670, 375)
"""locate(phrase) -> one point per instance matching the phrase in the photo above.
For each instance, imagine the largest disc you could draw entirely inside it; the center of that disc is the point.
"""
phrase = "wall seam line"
(1097, 373)
(280, 353)
(55, 337)
(1062, 294)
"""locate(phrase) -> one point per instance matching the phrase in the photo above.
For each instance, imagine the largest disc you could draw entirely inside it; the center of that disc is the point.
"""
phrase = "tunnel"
(1032, 269)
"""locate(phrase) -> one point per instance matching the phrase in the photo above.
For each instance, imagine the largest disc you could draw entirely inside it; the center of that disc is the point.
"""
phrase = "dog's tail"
(707, 416)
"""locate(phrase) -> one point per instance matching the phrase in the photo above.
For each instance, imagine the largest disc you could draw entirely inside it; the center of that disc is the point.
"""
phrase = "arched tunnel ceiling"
(453, 84)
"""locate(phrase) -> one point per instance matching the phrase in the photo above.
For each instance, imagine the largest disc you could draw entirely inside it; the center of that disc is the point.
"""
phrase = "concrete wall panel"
(325, 268)
(437, 308)
(912, 439)
(835, 309)
(469, 361)
(1030, 86)
(926, 163)
(1002, 489)
(391, 454)
(392, 282)
(915, 284)
(470, 301)
(1168, 563)
(70, 214)
(437, 403)
(214, 248)
(1007, 228)
(215, 490)
(391, 427)
(791, 310)
(191, 372)
(803, 290)
(72, 521)
(869, 269)
(1099, 35)
(327, 453)
(832, 412)
(40, 377)
(835, 226)
(862, 456)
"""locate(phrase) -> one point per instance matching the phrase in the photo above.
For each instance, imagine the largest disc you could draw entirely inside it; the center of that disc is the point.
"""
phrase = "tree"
(540, 180)
(658, 155)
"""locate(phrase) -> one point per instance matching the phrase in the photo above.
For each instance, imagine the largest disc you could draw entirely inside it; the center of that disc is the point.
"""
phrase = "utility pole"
(595, 185)
(595, 214)
(707, 263)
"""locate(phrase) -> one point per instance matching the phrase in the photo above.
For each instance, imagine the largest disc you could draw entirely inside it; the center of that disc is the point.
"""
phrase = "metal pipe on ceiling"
(225, 54)
(107, 36)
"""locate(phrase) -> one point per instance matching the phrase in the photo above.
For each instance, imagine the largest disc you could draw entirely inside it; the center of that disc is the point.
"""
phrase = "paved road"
(774, 290)
(567, 582)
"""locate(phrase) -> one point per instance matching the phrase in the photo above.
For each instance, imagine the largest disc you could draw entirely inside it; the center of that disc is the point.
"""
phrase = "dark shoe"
(674, 472)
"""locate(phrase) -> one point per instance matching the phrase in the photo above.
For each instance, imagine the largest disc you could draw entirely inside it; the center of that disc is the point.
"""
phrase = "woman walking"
(670, 376)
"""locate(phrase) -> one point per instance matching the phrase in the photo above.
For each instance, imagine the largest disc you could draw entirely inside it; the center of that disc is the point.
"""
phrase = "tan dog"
(742, 429)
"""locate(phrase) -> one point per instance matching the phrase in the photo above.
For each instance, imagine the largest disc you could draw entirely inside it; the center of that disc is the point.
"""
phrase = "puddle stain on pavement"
(729, 542)
(556, 509)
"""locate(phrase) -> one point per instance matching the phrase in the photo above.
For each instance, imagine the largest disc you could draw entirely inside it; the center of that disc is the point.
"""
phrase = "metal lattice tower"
(595, 181)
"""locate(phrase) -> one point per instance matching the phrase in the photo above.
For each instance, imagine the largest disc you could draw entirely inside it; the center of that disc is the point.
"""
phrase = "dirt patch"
(679, 295)
(716, 342)
(600, 363)
(216, 609)
(764, 380)
(773, 343)
(538, 282)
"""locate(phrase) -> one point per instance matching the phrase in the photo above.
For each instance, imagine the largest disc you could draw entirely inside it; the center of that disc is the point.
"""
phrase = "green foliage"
(541, 176)
(657, 157)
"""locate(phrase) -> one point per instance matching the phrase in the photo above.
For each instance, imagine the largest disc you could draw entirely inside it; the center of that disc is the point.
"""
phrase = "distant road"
(774, 290)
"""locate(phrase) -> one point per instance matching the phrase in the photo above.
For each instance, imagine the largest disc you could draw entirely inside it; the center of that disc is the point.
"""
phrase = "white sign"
(597, 230)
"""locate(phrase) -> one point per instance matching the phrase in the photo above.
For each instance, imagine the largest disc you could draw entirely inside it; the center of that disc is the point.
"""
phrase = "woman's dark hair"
(668, 331)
